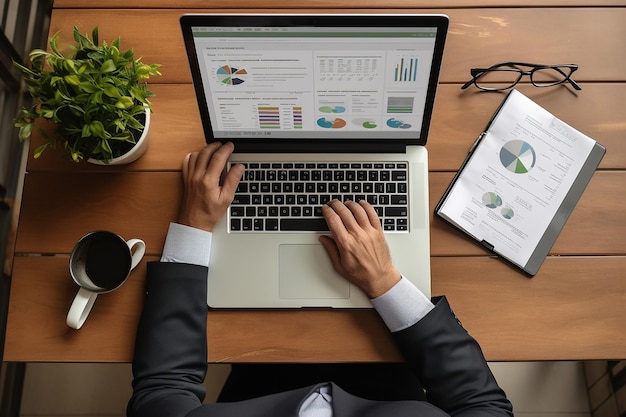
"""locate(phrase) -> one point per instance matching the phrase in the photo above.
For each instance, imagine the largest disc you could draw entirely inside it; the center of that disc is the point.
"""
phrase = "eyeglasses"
(506, 75)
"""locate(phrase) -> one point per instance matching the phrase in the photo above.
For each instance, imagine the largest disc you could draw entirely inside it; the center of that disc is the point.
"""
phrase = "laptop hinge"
(320, 147)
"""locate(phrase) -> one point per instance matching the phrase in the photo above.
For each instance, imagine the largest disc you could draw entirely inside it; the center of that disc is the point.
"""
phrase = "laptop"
(318, 107)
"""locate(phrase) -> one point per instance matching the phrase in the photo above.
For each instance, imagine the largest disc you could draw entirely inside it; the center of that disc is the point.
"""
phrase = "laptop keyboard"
(283, 196)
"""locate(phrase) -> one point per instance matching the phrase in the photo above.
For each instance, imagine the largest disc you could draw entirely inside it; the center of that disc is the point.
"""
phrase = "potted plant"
(97, 98)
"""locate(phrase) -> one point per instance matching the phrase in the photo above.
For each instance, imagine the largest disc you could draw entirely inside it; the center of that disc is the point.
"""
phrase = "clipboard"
(529, 154)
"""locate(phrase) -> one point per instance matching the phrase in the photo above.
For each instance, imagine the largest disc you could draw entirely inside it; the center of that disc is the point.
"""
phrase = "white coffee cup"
(100, 262)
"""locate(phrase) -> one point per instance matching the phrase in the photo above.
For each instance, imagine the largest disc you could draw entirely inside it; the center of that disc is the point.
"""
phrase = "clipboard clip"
(487, 245)
(476, 142)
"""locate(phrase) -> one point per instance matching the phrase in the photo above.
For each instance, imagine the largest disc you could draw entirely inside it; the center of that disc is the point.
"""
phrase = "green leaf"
(26, 71)
(60, 96)
(77, 35)
(124, 138)
(112, 91)
(136, 109)
(94, 35)
(96, 56)
(72, 79)
(77, 109)
(137, 93)
(97, 129)
(37, 58)
(47, 113)
(25, 131)
(39, 150)
(124, 102)
(134, 123)
(107, 66)
(83, 41)
(68, 64)
(55, 79)
(88, 87)
(106, 149)
(120, 124)
(143, 71)
(97, 98)
(53, 44)
(86, 131)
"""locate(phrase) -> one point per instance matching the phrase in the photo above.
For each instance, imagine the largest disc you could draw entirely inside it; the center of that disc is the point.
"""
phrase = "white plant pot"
(139, 149)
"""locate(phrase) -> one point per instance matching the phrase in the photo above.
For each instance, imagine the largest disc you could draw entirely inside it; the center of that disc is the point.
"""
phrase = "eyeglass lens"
(498, 79)
(545, 77)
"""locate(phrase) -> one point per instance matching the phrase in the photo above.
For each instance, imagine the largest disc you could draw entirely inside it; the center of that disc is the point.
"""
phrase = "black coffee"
(107, 261)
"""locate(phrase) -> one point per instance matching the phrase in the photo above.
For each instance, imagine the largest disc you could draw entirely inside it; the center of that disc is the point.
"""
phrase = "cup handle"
(81, 307)
(140, 249)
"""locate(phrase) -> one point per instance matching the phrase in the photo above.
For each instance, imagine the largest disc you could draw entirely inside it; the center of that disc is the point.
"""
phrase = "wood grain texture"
(477, 37)
(597, 225)
(573, 311)
(186, 4)
(458, 119)
(59, 208)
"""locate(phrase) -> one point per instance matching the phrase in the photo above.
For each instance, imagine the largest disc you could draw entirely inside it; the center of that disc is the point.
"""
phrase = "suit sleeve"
(170, 358)
(451, 366)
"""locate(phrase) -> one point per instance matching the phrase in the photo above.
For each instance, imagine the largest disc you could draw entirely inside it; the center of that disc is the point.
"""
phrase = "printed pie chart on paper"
(518, 156)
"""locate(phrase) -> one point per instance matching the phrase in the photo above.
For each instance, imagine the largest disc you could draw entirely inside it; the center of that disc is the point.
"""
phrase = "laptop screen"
(315, 77)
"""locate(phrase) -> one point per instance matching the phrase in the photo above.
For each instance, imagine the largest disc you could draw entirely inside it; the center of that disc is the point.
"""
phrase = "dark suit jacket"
(170, 362)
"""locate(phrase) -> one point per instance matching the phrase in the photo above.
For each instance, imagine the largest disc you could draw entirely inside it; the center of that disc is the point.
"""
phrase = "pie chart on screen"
(398, 124)
(327, 123)
(332, 109)
(231, 75)
(365, 123)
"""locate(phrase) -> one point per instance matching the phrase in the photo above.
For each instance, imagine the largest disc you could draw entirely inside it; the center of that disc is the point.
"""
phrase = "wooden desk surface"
(574, 308)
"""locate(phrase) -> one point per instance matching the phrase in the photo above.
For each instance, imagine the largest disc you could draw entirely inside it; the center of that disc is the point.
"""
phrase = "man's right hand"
(358, 249)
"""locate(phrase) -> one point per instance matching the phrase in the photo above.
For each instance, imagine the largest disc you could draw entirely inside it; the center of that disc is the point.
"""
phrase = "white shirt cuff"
(185, 244)
(402, 306)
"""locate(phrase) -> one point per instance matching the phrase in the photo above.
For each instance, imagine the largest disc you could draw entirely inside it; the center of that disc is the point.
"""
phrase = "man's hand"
(359, 252)
(205, 201)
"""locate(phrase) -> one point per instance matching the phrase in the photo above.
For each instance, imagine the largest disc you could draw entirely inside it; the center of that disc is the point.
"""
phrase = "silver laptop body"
(314, 91)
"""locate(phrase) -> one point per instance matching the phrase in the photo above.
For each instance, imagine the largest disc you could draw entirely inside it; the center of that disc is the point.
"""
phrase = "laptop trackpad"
(305, 271)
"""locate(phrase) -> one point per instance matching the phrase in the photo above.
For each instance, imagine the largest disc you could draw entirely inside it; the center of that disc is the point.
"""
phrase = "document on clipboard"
(520, 182)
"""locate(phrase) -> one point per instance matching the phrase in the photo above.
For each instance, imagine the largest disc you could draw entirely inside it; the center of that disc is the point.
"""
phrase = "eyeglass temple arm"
(574, 84)
(467, 84)
(568, 76)
(476, 72)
